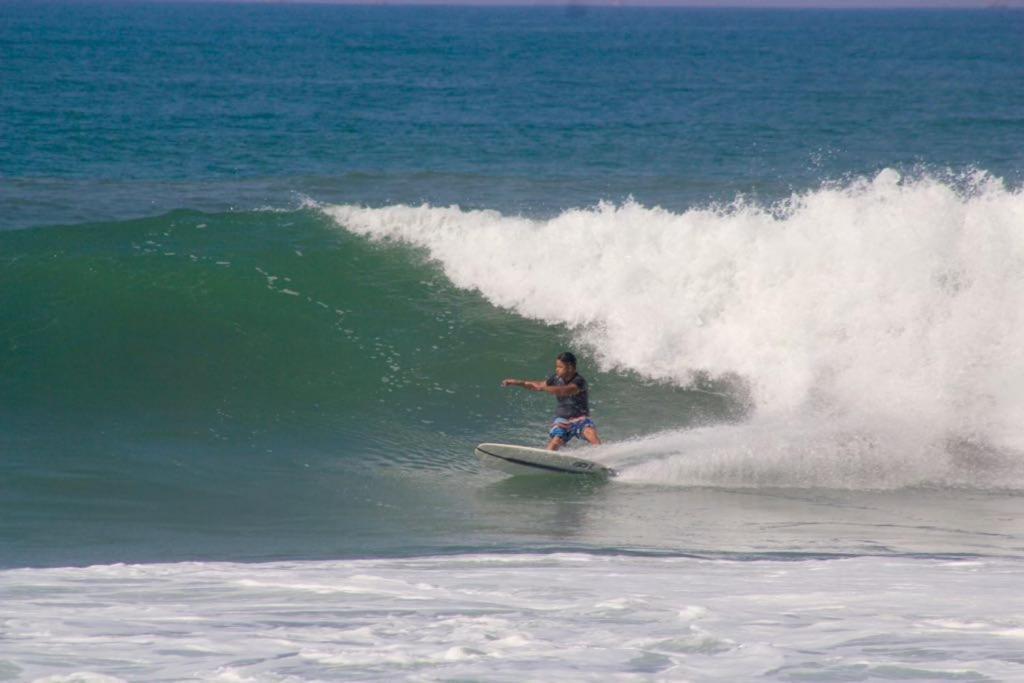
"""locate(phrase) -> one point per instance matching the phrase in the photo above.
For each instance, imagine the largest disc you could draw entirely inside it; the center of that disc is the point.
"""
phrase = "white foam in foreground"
(518, 617)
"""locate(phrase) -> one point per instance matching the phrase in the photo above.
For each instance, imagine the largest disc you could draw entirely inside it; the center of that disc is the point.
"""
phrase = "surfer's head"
(565, 365)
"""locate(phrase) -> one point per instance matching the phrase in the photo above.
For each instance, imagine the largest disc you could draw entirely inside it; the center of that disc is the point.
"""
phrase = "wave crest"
(881, 296)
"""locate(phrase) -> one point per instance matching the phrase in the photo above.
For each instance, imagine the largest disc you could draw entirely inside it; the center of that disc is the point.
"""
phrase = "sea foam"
(504, 617)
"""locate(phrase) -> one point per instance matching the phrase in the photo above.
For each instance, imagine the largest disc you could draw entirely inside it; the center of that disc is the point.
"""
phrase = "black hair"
(567, 357)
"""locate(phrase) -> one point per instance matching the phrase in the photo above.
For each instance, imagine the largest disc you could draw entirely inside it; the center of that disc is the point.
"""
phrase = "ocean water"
(263, 268)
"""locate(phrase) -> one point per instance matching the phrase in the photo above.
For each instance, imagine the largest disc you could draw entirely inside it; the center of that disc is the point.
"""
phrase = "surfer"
(572, 416)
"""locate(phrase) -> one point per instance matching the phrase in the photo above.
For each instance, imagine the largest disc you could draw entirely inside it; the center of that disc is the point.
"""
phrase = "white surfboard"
(524, 460)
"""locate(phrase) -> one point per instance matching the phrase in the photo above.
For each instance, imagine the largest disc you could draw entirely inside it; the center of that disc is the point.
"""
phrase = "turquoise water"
(263, 268)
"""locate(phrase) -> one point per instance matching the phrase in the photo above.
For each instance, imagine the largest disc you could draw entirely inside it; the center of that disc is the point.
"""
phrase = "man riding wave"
(572, 415)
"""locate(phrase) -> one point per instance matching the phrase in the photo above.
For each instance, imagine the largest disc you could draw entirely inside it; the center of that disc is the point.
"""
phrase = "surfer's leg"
(559, 434)
(590, 434)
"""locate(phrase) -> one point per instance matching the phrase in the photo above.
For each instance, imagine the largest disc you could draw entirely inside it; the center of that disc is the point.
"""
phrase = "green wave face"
(183, 382)
(273, 324)
(267, 318)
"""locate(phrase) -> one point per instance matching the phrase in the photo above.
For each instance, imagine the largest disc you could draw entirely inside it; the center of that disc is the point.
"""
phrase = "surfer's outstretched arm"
(532, 385)
(542, 385)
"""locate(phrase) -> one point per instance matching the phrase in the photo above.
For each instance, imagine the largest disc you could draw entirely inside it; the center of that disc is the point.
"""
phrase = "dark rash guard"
(571, 406)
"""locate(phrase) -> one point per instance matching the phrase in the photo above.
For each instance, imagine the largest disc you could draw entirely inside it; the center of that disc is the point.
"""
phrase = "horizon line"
(880, 5)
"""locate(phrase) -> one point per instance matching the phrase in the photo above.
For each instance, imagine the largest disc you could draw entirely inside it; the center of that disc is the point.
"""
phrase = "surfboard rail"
(524, 460)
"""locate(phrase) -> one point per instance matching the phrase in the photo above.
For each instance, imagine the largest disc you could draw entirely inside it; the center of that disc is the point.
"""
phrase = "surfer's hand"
(509, 382)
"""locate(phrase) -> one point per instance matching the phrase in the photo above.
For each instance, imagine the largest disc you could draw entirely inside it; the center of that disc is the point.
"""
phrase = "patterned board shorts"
(566, 429)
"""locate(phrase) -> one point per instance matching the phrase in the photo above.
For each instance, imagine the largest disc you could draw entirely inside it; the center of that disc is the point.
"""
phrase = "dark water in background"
(111, 110)
(199, 361)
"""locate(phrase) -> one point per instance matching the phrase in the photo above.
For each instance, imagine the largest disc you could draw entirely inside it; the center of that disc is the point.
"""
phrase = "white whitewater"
(881, 318)
(566, 617)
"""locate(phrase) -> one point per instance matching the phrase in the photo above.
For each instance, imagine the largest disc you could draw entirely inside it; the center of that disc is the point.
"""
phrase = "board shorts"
(567, 429)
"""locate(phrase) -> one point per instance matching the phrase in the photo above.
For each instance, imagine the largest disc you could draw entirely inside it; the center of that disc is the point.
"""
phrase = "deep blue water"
(109, 110)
